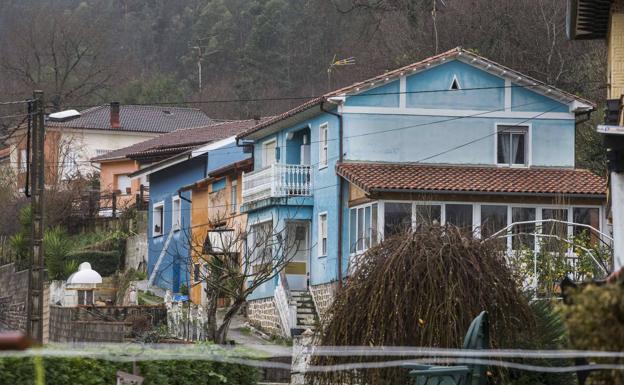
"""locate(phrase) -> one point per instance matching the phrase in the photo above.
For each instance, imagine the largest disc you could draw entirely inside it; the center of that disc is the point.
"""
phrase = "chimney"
(114, 115)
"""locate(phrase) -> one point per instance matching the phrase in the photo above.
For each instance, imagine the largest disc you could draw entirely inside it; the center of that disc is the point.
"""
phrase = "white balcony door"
(269, 152)
(298, 249)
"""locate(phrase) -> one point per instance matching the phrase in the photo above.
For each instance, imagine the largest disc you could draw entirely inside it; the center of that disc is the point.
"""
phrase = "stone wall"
(323, 296)
(262, 313)
(14, 300)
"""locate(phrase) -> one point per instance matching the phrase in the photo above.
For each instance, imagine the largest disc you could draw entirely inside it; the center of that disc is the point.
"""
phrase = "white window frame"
(156, 207)
(265, 144)
(323, 145)
(117, 187)
(527, 129)
(176, 214)
(254, 258)
(233, 196)
(322, 217)
(378, 229)
(23, 160)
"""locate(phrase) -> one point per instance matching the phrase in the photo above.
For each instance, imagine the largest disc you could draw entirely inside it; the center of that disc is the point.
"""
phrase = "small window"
(455, 83)
(363, 228)
(197, 272)
(511, 145)
(234, 196)
(23, 160)
(322, 234)
(176, 211)
(85, 297)
(261, 247)
(124, 184)
(323, 145)
(157, 220)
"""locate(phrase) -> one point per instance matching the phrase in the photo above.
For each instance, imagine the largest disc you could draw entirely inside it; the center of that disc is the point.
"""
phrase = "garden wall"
(14, 300)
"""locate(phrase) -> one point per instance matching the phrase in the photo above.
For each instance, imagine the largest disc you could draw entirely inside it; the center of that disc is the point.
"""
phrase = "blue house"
(455, 138)
(169, 213)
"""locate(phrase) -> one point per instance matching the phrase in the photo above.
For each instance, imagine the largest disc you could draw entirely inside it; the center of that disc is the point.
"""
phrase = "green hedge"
(104, 262)
(86, 371)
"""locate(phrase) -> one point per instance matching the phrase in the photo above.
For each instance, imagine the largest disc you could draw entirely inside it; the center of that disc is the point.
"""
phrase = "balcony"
(277, 181)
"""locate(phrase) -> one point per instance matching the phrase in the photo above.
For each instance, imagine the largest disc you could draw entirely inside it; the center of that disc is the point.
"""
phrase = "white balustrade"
(277, 181)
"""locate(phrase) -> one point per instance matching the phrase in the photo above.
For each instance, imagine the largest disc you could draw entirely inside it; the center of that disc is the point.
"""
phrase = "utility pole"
(37, 267)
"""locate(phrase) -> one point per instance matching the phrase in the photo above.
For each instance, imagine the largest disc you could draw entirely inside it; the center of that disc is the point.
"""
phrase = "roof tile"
(436, 178)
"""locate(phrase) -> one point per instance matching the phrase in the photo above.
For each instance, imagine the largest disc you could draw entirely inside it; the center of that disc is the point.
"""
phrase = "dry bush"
(422, 289)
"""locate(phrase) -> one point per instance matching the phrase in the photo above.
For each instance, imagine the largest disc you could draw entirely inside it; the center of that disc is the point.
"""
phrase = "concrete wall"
(136, 252)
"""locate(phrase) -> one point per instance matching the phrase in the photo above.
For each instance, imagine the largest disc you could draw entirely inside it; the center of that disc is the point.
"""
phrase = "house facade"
(170, 210)
(604, 19)
(215, 219)
(73, 138)
(456, 139)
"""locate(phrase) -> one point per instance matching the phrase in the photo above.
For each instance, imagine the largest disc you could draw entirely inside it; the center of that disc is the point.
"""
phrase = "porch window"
(322, 236)
(397, 218)
(493, 219)
(176, 211)
(459, 215)
(587, 216)
(323, 144)
(511, 145)
(363, 228)
(428, 215)
(554, 231)
(233, 196)
(157, 219)
(523, 238)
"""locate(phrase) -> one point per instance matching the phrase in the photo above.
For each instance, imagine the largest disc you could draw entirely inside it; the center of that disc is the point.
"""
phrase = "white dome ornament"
(84, 277)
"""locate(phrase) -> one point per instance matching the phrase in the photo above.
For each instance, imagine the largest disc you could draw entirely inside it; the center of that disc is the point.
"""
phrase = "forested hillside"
(145, 51)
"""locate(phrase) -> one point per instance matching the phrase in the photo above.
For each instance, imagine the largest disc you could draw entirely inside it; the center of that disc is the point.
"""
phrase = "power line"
(311, 97)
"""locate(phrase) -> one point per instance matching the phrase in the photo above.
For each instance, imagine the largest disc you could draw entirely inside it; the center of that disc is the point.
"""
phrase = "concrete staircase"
(307, 317)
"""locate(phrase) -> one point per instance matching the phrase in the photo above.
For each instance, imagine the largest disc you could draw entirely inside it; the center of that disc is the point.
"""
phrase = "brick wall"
(262, 313)
(323, 296)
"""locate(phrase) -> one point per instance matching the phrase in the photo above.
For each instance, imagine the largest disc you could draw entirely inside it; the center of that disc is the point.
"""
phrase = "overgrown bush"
(424, 289)
(87, 371)
(104, 262)
(595, 319)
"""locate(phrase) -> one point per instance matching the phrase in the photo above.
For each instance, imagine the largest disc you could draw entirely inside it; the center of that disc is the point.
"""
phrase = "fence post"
(114, 197)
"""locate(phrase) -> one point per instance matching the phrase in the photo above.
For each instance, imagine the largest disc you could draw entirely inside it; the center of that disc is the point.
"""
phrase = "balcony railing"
(277, 181)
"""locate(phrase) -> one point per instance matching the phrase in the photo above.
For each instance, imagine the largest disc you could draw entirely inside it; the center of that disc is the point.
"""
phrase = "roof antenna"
(337, 63)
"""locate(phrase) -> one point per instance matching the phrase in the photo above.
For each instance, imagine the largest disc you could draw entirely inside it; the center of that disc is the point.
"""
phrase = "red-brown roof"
(376, 177)
(519, 78)
(178, 141)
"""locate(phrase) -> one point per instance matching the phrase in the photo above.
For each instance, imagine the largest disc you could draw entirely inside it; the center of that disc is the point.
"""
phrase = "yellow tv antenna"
(338, 63)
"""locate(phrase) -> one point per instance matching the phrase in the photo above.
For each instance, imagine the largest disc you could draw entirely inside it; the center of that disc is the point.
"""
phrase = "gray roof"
(135, 118)
(179, 141)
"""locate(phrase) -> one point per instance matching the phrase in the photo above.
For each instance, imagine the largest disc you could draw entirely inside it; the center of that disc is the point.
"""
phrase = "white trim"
(323, 145)
(456, 81)
(402, 92)
(155, 206)
(320, 233)
(507, 95)
(176, 223)
(528, 145)
(457, 113)
(213, 145)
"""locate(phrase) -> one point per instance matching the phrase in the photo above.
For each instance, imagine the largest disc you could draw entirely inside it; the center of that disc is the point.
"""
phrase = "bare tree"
(63, 53)
(231, 260)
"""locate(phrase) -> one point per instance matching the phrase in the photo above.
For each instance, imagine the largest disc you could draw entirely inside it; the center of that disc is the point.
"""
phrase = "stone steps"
(307, 316)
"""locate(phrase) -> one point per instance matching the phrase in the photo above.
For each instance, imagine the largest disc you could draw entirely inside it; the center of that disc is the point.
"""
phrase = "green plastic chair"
(477, 337)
